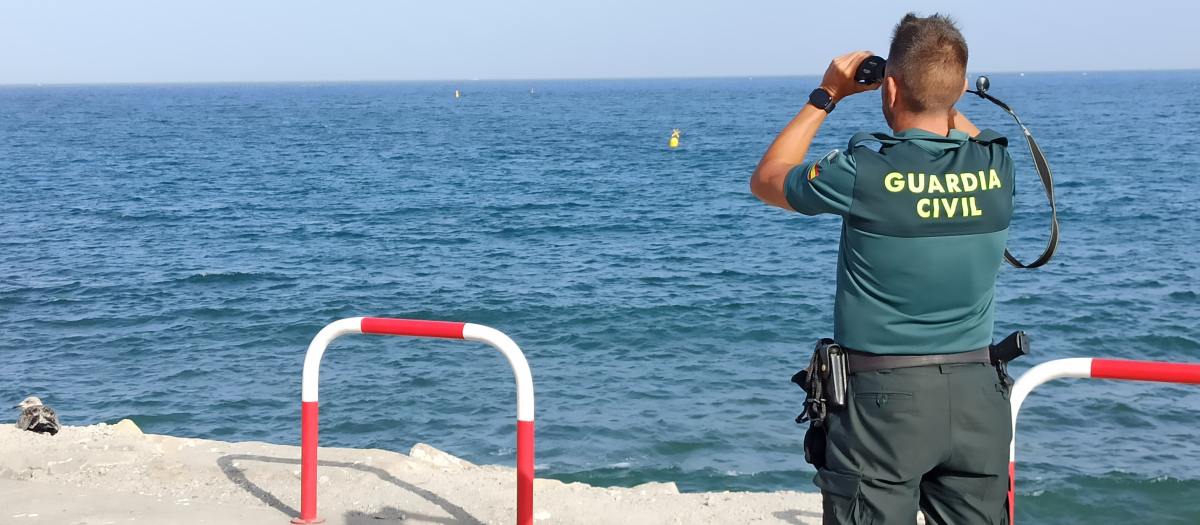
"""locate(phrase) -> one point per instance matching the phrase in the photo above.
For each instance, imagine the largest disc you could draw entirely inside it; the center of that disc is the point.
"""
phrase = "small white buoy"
(456, 93)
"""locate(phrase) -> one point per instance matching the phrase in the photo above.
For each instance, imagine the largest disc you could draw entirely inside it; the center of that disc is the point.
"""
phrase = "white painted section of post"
(316, 349)
(1048, 371)
(516, 359)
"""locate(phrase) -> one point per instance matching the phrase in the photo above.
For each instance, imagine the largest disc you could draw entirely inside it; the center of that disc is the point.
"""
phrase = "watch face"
(821, 99)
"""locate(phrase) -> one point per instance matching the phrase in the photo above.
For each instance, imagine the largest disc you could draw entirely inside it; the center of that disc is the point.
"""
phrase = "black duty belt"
(864, 362)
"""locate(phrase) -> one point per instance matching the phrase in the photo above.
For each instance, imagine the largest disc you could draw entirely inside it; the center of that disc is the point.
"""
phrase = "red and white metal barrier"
(1087, 367)
(440, 329)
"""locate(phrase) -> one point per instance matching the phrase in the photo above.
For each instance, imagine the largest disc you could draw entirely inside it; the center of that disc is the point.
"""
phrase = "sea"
(167, 252)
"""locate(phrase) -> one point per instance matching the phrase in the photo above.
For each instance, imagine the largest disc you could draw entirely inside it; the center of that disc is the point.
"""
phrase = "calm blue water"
(167, 253)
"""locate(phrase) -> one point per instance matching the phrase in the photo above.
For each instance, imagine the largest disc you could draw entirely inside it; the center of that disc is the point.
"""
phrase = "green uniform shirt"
(924, 225)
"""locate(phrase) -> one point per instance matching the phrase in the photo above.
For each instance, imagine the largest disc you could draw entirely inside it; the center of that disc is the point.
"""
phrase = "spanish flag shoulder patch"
(816, 170)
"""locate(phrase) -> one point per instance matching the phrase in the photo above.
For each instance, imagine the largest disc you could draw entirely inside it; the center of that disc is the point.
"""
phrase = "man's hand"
(791, 145)
(839, 76)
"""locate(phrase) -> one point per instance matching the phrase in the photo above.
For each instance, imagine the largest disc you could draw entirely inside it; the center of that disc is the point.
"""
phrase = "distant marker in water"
(456, 93)
(530, 91)
(675, 138)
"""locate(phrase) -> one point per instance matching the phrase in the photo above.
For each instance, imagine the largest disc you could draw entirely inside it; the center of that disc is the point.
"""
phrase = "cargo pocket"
(840, 497)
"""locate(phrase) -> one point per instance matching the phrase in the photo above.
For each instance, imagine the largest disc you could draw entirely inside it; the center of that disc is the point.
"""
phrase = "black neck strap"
(1043, 169)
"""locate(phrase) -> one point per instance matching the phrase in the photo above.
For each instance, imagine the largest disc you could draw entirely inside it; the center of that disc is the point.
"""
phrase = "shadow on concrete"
(393, 515)
(793, 516)
(458, 515)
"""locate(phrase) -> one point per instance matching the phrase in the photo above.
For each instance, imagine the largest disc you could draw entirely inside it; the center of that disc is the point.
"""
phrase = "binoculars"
(870, 70)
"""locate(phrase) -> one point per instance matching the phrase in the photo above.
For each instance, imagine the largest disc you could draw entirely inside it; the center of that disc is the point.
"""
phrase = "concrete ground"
(115, 474)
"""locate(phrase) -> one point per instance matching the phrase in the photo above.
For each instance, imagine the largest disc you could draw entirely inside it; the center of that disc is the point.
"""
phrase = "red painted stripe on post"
(524, 472)
(308, 463)
(1146, 371)
(1012, 492)
(413, 328)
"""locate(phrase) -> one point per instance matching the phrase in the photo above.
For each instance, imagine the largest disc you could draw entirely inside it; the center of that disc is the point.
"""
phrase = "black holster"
(1012, 347)
(825, 388)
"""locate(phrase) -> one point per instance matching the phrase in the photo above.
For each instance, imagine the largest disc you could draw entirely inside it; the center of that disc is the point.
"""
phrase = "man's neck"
(936, 124)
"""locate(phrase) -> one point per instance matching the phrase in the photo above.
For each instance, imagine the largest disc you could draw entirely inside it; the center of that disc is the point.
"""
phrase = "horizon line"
(530, 79)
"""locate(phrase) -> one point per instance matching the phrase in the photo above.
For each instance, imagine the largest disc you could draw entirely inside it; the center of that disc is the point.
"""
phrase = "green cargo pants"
(933, 436)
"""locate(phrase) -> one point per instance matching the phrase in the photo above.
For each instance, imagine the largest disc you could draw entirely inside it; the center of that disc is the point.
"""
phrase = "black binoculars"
(870, 70)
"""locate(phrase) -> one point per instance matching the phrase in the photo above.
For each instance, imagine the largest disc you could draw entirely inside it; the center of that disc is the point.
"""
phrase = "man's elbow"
(767, 185)
(764, 184)
(757, 188)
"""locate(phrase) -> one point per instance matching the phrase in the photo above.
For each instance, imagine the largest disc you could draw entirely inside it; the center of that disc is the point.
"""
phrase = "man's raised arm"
(790, 147)
(959, 121)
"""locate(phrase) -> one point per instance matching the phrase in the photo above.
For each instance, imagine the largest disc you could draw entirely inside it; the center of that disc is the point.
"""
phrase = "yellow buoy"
(456, 93)
(675, 138)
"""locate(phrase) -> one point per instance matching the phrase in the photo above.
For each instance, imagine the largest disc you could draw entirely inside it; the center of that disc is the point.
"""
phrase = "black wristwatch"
(821, 99)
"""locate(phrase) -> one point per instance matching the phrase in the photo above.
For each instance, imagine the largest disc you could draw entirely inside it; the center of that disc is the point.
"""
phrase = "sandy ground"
(116, 474)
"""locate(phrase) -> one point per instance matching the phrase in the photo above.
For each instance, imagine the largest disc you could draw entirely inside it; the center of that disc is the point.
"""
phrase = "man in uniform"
(924, 224)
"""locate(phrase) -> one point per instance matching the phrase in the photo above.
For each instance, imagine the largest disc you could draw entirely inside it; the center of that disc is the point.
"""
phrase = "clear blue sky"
(271, 40)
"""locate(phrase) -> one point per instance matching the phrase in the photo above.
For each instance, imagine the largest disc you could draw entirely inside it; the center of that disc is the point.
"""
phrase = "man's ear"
(889, 94)
(966, 83)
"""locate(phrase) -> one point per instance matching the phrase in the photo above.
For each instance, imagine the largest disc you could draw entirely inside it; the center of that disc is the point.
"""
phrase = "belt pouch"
(824, 383)
(833, 370)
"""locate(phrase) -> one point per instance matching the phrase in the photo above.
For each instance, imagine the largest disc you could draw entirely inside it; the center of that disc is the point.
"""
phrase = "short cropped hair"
(929, 58)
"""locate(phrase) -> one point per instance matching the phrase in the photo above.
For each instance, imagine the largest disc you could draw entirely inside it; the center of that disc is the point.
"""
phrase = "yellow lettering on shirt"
(956, 207)
(935, 185)
(993, 180)
(919, 185)
(970, 183)
(951, 207)
(952, 183)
